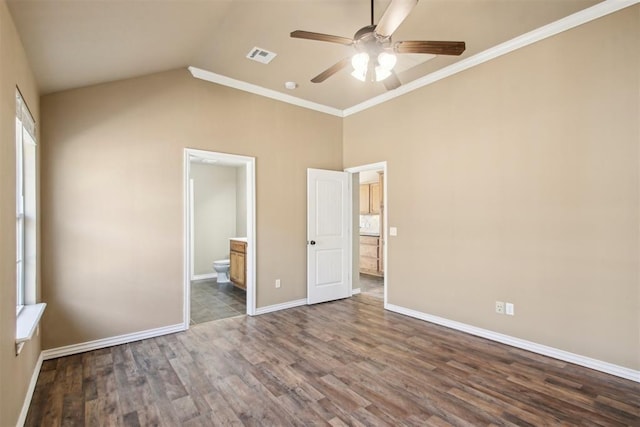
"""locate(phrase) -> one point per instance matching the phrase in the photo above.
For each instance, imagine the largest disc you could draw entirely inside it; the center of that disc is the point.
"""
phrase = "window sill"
(26, 323)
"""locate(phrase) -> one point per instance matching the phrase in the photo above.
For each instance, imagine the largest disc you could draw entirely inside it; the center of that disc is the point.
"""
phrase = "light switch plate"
(510, 309)
(393, 231)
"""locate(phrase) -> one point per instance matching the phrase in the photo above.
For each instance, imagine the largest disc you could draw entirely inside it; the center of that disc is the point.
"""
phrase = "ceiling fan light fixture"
(360, 62)
(360, 74)
(375, 61)
(387, 60)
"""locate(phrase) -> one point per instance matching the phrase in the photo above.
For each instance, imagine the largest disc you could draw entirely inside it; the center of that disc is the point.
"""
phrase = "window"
(28, 312)
(25, 204)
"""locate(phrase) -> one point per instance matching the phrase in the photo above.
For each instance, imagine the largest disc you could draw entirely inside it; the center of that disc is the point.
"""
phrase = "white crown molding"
(108, 342)
(594, 12)
(282, 306)
(598, 365)
(601, 9)
(32, 387)
(259, 90)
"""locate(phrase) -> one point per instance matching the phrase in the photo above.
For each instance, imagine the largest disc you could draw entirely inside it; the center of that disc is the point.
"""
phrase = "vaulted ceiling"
(75, 43)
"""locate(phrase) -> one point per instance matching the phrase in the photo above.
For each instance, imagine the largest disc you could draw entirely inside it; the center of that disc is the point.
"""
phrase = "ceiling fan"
(375, 57)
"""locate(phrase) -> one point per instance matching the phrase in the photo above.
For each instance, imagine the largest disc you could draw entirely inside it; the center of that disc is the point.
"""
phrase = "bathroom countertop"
(239, 239)
(364, 233)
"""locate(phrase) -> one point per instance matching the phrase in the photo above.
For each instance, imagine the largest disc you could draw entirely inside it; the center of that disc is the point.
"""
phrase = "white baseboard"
(30, 390)
(598, 365)
(355, 291)
(207, 276)
(108, 342)
(282, 306)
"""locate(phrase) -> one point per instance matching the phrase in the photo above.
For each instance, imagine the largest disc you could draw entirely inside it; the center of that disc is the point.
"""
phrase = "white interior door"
(328, 239)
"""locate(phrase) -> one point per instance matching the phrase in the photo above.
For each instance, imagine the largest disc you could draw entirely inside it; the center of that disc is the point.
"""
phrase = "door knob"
(313, 242)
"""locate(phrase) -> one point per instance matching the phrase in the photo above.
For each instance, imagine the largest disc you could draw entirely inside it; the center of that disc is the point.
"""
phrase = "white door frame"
(385, 236)
(223, 159)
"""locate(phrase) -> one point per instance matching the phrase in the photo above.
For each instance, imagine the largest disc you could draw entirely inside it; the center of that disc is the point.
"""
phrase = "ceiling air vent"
(261, 55)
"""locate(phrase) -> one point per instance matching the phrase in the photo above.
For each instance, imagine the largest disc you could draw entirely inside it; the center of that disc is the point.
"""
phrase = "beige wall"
(214, 214)
(15, 371)
(518, 181)
(112, 193)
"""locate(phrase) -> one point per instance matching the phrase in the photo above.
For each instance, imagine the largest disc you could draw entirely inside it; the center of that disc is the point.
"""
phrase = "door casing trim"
(222, 159)
(355, 233)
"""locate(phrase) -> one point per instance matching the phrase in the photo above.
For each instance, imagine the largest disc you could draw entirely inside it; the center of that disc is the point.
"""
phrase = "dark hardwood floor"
(341, 363)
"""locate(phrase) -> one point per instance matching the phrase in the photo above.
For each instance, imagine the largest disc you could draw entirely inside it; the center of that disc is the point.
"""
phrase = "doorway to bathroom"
(220, 230)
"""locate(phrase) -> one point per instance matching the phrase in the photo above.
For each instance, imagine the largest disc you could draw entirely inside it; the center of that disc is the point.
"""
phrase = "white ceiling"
(75, 43)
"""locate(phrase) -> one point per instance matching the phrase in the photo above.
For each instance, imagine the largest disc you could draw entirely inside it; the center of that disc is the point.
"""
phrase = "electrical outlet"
(499, 307)
(510, 309)
(277, 283)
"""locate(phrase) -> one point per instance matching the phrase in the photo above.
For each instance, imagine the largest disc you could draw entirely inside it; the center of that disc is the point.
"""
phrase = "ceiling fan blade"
(299, 34)
(397, 12)
(432, 47)
(392, 82)
(331, 70)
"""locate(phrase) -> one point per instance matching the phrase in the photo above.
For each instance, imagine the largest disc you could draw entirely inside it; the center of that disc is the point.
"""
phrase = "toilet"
(222, 268)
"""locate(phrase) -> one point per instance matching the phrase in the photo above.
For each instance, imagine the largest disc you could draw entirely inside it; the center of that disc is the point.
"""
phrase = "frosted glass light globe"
(387, 60)
(360, 61)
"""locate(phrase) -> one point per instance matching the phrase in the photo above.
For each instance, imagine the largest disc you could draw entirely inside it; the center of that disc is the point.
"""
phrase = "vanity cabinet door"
(369, 255)
(370, 198)
(238, 265)
(364, 199)
(374, 198)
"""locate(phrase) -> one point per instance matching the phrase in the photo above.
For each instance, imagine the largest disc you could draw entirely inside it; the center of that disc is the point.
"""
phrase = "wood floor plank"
(221, 412)
(300, 409)
(345, 363)
(336, 414)
(185, 408)
(340, 393)
(196, 385)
